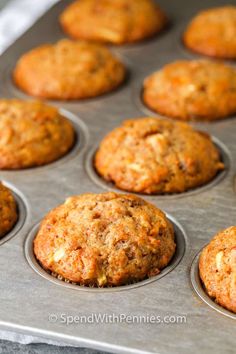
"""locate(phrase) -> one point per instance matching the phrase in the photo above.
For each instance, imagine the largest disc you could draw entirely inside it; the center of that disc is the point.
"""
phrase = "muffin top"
(213, 32)
(217, 268)
(68, 70)
(156, 156)
(8, 210)
(105, 240)
(32, 134)
(192, 90)
(114, 21)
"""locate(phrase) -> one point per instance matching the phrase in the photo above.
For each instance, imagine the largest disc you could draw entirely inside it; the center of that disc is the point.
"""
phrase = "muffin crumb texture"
(200, 90)
(68, 70)
(217, 268)
(105, 240)
(156, 156)
(8, 210)
(114, 21)
(32, 134)
(212, 32)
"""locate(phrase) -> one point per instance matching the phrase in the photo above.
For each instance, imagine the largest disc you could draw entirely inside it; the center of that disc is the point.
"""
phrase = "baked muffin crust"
(32, 134)
(217, 268)
(68, 70)
(213, 32)
(156, 156)
(8, 210)
(192, 90)
(114, 21)
(105, 240)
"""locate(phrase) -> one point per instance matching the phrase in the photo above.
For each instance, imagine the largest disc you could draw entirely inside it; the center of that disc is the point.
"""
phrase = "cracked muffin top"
(217, 268)
(8, 210)
(156, 156)
(212, 32)
(192, 90)
(32, 134)
(114, 21)
(105, 239)
(68, 70)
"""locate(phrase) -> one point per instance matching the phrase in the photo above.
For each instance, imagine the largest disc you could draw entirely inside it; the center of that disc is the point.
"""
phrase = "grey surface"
(27, 299)
(7, 347)
(3, 3)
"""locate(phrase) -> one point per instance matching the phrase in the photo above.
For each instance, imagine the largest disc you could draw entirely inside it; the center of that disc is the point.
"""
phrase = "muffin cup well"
(10, 88)
(201, 292)
(180, 239)
(81, 137)
(21, 210)
(99, 181)
(137, 98)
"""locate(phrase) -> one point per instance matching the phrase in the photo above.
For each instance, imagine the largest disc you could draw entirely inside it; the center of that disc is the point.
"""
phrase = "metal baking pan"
(33, 302)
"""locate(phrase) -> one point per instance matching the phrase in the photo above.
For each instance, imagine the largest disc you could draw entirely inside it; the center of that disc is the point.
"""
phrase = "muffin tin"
(29, 295)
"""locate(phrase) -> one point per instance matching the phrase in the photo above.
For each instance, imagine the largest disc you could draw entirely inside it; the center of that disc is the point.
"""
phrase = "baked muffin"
(105, 240)
(217, 267)
(114, 21)
(68, 70)
(156, 156)
(32, 134)
(213, 32)
(8, 210)
(192, 90)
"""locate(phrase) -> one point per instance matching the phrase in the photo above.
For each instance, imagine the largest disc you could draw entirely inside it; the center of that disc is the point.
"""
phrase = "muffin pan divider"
(31, 304)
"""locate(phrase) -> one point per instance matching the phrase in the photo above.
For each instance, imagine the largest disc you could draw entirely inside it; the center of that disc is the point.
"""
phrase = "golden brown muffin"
(156, 156)
(105, 240)
(114, 21)
(213, 32)
(192, 90)
(32, 134)
(68, 70)
(217, 268)
(8, 210)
